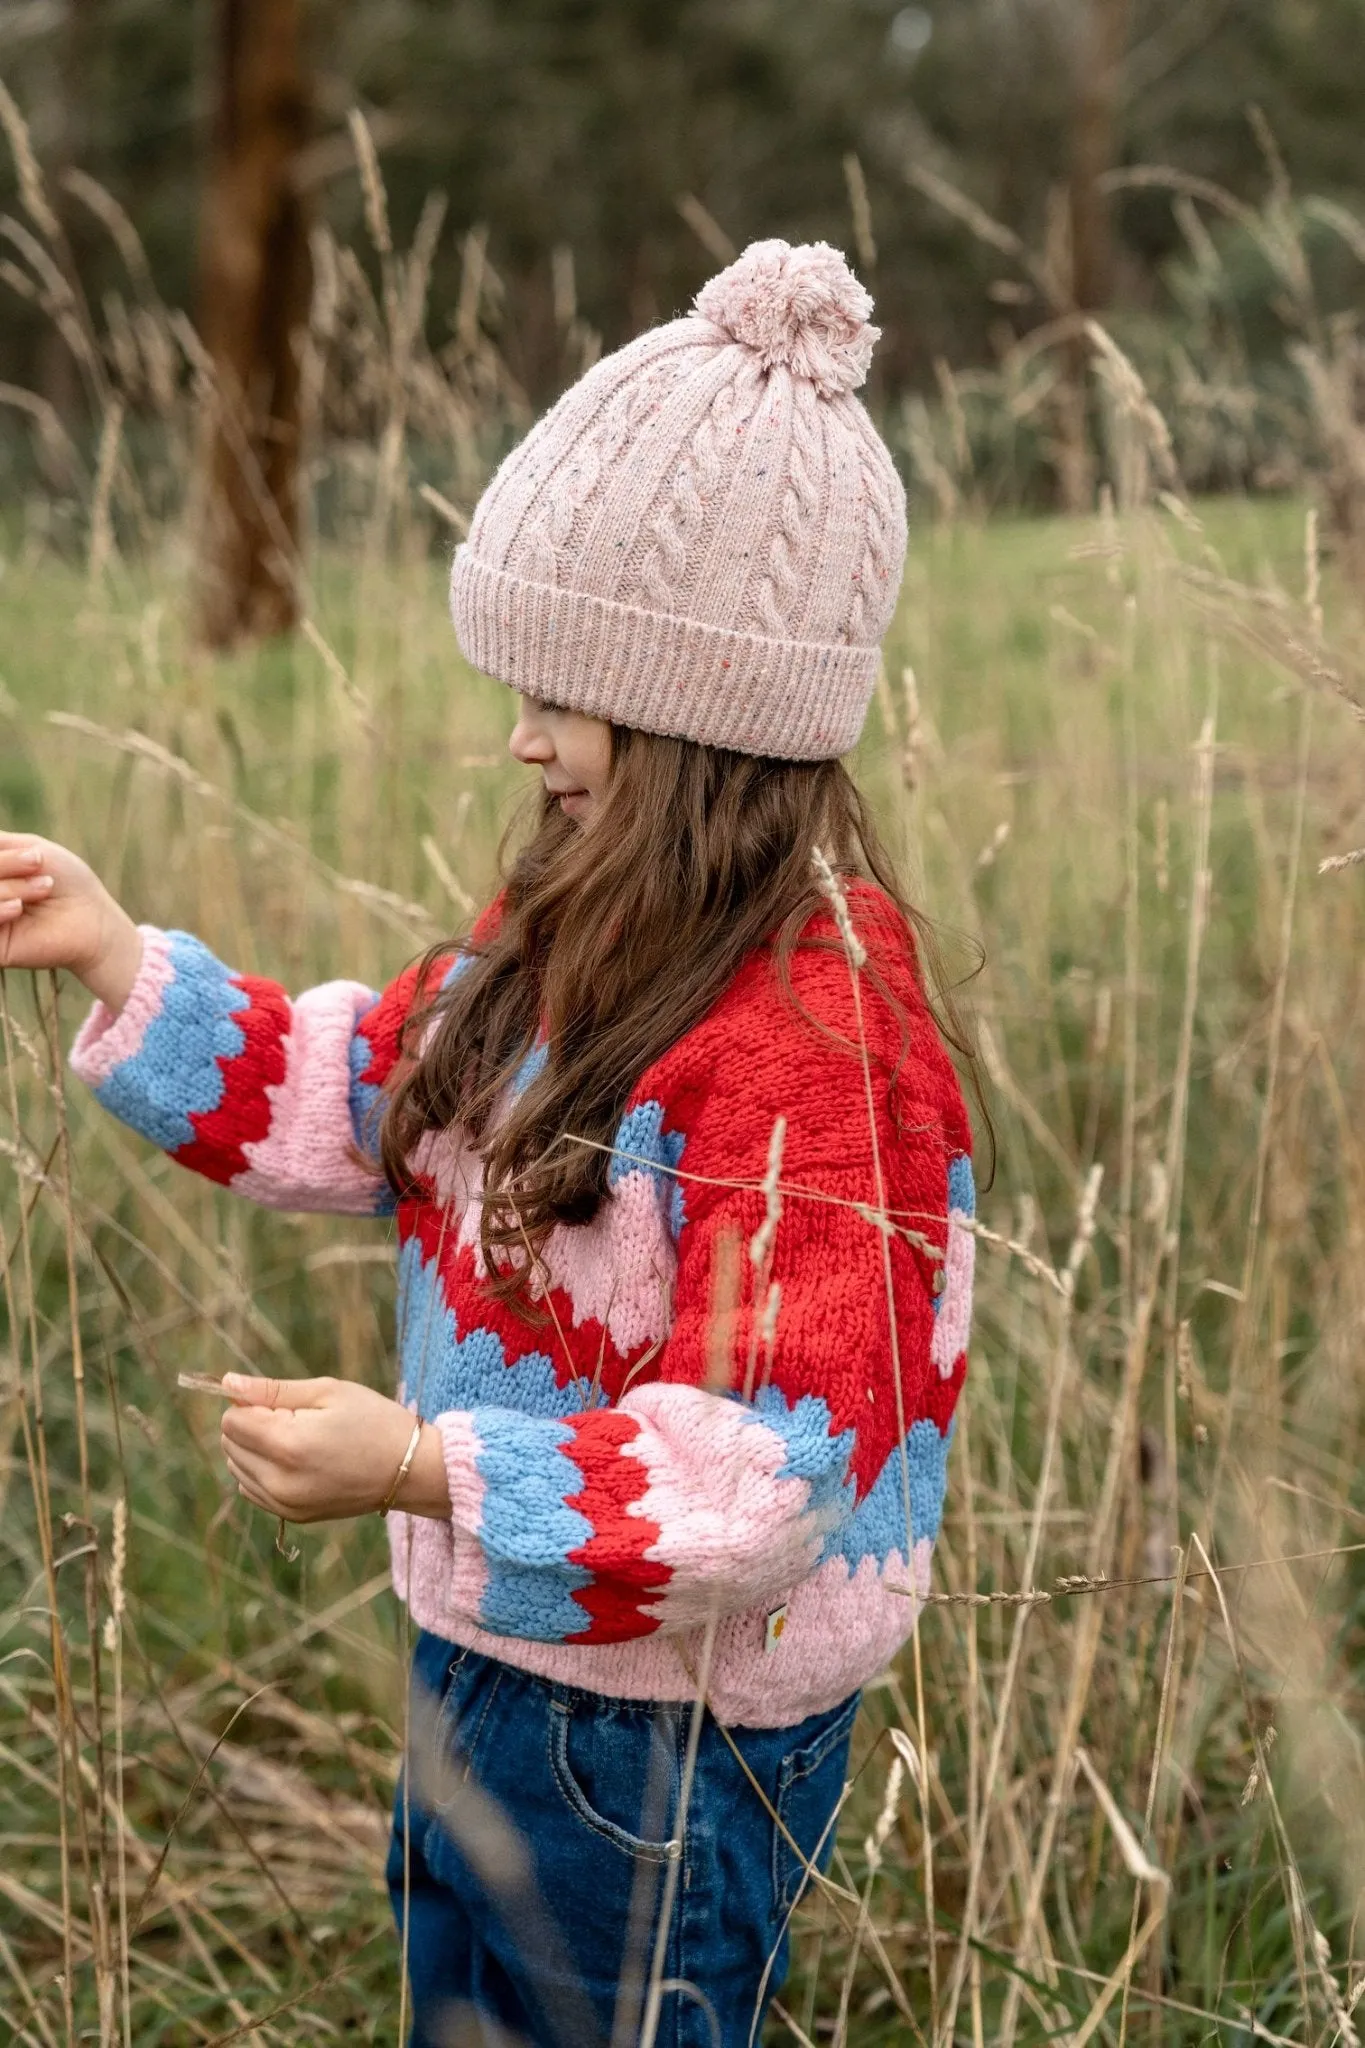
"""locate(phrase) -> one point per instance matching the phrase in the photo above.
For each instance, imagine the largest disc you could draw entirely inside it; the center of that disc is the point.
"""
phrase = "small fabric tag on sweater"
(772, 1634)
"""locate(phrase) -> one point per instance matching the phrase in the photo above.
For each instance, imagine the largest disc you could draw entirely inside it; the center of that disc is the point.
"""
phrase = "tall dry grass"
(1114, 1788)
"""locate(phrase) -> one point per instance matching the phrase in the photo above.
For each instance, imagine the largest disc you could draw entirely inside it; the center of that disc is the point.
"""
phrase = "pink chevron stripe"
(841, 1631)
(306, 1148)
(618, 1270)
(952, 1324)
(107, 1039)
(453, 1168)
(720, 1507)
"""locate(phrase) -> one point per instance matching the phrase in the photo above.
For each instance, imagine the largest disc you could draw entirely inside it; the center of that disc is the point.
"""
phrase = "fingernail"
(43, 883)
(233, 1382)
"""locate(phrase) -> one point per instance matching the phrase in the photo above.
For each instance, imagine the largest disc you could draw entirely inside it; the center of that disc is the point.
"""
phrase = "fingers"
(19, 855)
(256, 1497)
(23, 879)
(15, 893)
(251, 1480)
(254, 1429)
(250, 1390)
(269, 1428)
(267, 1483)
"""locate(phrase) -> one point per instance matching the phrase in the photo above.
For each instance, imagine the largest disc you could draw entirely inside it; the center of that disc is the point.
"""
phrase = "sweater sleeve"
(695, 1494)
(266, 1095)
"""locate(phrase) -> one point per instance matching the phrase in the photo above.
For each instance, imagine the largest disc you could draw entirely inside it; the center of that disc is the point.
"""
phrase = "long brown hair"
(615, 941)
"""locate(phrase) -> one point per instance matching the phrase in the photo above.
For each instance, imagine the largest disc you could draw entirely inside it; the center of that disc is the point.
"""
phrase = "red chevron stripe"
(382, 1025)
(582, 1352)
(940, 1395)
(616, 1549)
(243, 1115)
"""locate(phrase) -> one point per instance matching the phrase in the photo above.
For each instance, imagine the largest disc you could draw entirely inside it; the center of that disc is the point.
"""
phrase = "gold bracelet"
(403, 1470)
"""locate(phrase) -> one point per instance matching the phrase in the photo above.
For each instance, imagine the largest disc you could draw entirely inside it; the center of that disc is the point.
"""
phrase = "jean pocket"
(618, 1772)
(809, 1784)
(455, 1723)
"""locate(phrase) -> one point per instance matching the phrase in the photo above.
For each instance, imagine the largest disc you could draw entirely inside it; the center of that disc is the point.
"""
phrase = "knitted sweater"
(651, 1450)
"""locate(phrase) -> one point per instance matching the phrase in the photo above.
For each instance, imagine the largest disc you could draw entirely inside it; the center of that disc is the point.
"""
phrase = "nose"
(530, 742)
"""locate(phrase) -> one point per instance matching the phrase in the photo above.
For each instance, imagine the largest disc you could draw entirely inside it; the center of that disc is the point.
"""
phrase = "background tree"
(1101, 40)
(253, 303)
(576, 125)
(73, 45)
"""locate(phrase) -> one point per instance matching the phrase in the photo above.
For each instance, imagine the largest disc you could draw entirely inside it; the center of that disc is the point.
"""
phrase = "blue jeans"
(534, 1846)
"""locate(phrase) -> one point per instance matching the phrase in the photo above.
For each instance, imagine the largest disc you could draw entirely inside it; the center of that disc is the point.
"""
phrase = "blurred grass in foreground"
(1078, 722)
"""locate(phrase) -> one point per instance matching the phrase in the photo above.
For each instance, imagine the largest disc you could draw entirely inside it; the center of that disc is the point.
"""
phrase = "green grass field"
(1126, 747)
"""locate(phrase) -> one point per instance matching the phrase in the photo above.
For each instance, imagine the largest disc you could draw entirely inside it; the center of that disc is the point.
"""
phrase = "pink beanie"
(705, 535)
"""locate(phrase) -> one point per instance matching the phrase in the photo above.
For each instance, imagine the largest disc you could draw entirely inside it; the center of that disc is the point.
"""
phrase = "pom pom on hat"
(798, 308)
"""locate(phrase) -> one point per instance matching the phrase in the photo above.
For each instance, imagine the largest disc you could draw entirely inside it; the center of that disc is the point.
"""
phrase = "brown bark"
(254, 293)
(1101, 46)
(59, 373)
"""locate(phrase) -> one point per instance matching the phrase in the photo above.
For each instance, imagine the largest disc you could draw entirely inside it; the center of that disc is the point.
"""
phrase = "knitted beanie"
(705, 535)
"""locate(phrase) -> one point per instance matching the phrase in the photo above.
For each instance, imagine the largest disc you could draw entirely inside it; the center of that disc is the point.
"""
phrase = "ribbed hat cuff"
(797, 700)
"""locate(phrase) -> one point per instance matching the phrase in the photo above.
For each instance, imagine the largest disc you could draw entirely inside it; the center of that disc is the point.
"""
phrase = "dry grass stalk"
(706, 228)
(860, 211)
(106, 469)
(998, 1907)
(31, 192)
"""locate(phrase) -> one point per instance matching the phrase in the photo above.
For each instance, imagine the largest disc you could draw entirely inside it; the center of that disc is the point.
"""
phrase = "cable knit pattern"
(578, 467)
(674, 545)
(676, 524)
(779, 588)
(645, 1451)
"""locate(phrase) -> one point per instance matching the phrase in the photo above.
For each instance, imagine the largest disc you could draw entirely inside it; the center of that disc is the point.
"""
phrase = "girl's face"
(571, 750)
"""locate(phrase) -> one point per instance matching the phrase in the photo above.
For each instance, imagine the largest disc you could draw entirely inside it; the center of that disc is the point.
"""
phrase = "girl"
(681, 1177)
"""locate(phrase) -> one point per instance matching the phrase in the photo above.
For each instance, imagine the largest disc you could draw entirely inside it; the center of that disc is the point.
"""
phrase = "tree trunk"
(59, 374)
(254, 293)
(1101, 44)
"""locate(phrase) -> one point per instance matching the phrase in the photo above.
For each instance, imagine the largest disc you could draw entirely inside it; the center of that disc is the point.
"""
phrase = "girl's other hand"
(55, 912)
(319, 1450)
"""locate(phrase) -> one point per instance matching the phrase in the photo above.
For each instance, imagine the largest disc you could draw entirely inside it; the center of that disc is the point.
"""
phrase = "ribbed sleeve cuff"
(107, 1037)
(460, 1444)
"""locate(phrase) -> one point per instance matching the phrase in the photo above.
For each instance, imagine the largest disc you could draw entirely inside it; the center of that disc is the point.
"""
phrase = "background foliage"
(577, 124)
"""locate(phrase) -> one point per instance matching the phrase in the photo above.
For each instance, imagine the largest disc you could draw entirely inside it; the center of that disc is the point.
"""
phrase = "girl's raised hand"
(55, 912)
